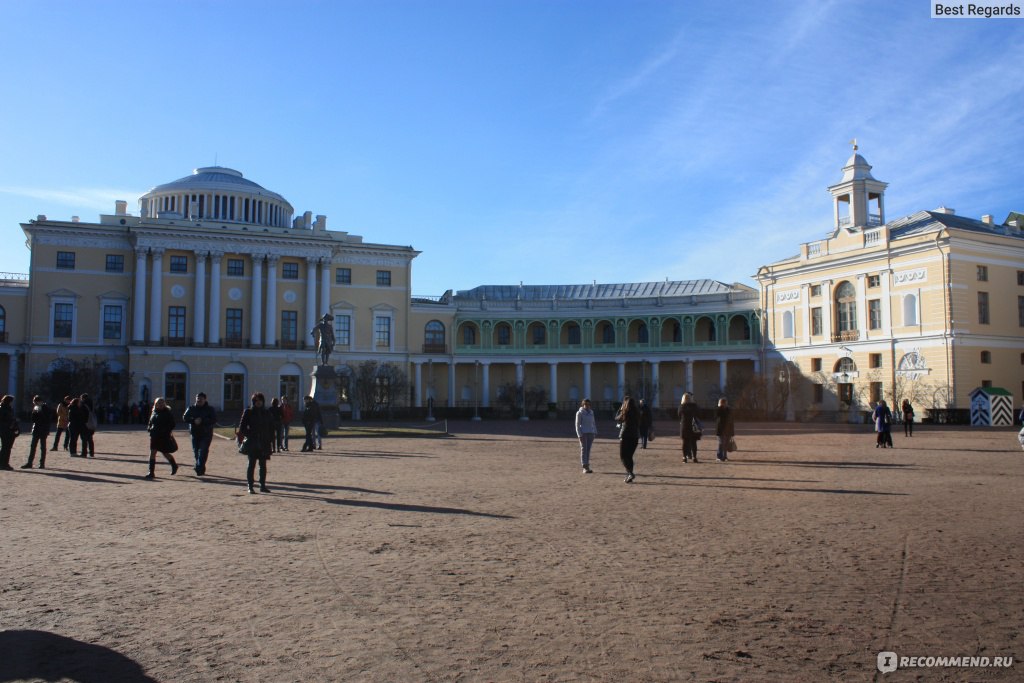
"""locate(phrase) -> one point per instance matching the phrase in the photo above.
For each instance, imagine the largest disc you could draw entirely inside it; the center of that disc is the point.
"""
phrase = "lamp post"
(785, 377)
(476, 393)
(430, 390)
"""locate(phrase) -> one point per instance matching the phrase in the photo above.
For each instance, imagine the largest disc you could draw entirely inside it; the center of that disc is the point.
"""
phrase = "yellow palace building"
(926, 307)
(215, 285)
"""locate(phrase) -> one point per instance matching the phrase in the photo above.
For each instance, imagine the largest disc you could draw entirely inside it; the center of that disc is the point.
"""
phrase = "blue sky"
(543, 141)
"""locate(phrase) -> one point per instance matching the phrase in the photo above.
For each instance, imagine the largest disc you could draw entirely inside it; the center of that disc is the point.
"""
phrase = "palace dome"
(220, 194)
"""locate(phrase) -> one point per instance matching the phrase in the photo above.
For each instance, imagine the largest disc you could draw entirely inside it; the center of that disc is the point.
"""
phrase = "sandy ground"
(489, 556)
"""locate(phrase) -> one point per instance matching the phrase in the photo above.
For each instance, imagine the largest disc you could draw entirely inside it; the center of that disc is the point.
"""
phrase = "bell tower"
(858, 199)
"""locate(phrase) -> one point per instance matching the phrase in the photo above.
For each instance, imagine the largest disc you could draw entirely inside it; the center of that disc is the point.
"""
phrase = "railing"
(846, 335)
(814, 249)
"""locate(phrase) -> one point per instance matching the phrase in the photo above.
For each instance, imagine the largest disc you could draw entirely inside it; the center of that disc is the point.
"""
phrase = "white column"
(689, 376)
(655, 383)
(215, 258)
(620, 378)
(485, 376)
(417, 381)
(586, 381)
(256, 308)
(805, 302)
(862, 321)
(520, 374)
(826, 310)
(723, 375)
(325, 286)
(156, 304)
(271, 326)
(199, 305)
(886, 303)
(451, 383)
(553, 382)
(311, 294)
(139, 314)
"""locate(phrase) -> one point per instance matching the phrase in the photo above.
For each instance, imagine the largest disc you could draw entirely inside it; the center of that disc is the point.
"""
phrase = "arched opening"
(605, 333)
(434, 337)
(846, 312)
(536, 334)
(704, 330)
(910, 309)
(502, 334)
(739, 328)
(468, 334)
(570, 335)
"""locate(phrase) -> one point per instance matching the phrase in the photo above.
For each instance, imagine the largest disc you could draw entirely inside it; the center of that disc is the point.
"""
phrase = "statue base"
(324, 390)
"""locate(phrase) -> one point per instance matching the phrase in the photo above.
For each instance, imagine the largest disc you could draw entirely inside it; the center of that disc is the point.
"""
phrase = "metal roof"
(626, 290)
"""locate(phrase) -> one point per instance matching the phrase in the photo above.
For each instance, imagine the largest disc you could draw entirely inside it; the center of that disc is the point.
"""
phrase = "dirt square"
(490, 556)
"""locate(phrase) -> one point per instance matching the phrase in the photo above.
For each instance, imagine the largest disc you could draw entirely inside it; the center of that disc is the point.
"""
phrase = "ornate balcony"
(846, 336)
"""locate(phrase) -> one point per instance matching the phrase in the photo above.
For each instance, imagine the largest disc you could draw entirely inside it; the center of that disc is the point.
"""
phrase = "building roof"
(924, 222)
(216, 178)
(628, 290)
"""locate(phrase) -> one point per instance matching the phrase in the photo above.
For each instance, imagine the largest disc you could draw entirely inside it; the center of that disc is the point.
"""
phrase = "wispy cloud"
(94, 198)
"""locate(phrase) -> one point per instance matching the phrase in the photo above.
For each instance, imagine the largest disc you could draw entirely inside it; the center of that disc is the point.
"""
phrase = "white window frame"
(118, 303)
(350, 313)
(63, 299)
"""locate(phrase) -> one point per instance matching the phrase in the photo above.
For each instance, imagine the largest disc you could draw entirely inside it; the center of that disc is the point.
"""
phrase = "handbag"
(244, 446)
(172, 444)
(731, 446)
(698, 429)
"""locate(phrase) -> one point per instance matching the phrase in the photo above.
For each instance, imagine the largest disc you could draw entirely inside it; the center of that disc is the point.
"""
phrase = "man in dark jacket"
(40, 432)
(313, 423)
(201, 418)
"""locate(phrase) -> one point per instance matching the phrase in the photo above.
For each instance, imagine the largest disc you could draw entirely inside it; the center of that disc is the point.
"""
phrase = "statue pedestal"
(324, 390)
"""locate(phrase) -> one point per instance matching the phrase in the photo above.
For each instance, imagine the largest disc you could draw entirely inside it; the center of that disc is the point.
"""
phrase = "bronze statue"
(324, 333)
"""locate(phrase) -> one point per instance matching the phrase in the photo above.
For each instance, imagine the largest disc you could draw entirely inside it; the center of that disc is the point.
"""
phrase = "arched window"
(503, 334)
(846, 308)
(704, 330)
(642, 336)
(606, 333)
(537, 334)
(910, 309)
(469, 335)
(572, 334)
(433, 337)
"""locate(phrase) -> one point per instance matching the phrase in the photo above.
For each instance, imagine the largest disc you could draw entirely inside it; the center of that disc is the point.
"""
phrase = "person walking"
(287, 415)
(161, 436)
(311, 422)
(724, 428)
(276, 423)
(257, 434)
(62, 423)
(883, 424)
(77, 415)
(645, 423)
(201, 419)
(688, 422)
(586, 431)
(88, 428)
(908, 417)
(8, 431)
(628, 418)
(40, 432)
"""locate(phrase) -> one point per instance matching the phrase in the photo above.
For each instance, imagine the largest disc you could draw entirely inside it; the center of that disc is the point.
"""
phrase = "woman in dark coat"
(87, 432)
(161, 436)
(629, 434)
(687, 414)
(78, 413)
(256, 426)
(277, 422)
(724, 428)
(8, 431)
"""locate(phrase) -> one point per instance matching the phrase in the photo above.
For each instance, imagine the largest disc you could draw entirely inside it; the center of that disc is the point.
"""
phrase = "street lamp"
(430, 390)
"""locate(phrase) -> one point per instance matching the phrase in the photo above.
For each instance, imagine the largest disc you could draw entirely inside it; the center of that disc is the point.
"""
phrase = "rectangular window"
(983, 308)
(112, 322)
(176, 322)
(115, 263)
(816, 321)
(815, 365)
(986, 357)
(1020, 311)
(873, 280)
(875, 314)
(876, 392)
(874, 360)
(819, 393)
(382, 331)
(982, 273)
(66, 260)
(289, 270)
(383, 278)
(343, 330)
(236, 267)
(342, 276)
(179, 263)
(815, 290)
(288, 386)
(1020, 278)
(289, 326)
(233, 328)
(986, 382)
(63, 314)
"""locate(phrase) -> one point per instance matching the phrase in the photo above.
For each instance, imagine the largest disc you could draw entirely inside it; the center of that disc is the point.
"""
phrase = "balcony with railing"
(435, 348)
(846, 336)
